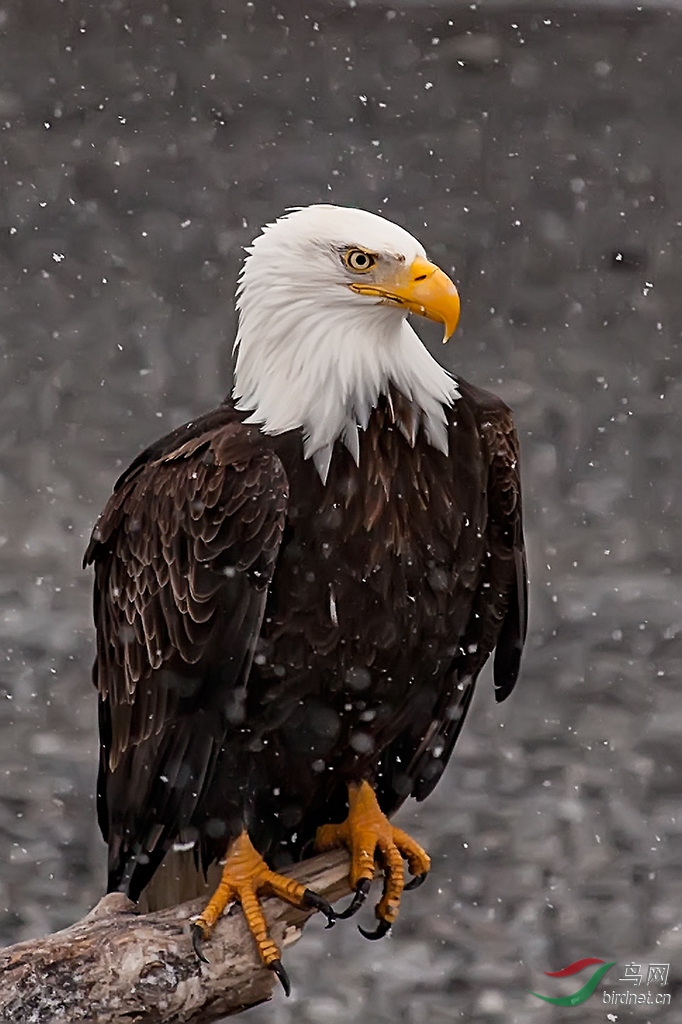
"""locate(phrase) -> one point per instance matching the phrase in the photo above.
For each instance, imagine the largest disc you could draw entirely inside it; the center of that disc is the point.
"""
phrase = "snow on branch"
(117, 966)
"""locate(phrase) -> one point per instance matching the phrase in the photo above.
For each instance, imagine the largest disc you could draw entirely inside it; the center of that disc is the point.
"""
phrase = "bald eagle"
(295, 593)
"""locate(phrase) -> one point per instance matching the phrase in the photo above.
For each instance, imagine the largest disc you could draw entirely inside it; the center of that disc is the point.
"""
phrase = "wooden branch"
(116, 965)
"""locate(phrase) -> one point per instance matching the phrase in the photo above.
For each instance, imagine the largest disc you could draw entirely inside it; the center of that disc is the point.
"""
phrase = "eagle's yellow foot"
(368, 834)
(246, 876)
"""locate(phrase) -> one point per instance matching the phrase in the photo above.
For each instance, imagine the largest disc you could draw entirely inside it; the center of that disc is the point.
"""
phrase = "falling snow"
(140, 154)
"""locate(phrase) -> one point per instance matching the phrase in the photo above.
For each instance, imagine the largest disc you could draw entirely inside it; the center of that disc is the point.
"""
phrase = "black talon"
(197, 939)
(415, 882)
(361, 893)
(382, 929)
(311, 899)
(278, 967)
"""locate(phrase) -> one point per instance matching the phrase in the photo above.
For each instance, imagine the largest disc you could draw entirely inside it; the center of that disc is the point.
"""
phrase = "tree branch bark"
(117, 966)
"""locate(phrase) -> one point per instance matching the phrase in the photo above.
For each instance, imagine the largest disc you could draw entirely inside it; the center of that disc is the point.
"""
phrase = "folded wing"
(184, 553)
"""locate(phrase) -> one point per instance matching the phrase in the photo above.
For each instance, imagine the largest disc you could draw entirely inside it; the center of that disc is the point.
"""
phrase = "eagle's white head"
(323, 299)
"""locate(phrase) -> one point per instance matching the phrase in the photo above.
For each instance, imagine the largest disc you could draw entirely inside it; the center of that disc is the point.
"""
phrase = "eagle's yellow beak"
(421, 288)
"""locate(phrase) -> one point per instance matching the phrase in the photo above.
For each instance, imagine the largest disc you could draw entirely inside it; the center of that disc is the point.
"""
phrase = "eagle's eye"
(359, 261)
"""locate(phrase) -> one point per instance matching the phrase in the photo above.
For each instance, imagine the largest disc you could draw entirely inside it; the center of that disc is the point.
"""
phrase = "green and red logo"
(587, 989)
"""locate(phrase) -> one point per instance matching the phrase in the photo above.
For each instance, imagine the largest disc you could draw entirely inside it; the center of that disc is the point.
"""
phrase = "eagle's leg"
(245, 877)
(368, 834)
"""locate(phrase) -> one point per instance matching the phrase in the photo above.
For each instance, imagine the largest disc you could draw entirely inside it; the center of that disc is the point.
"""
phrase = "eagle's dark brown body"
(264, 638)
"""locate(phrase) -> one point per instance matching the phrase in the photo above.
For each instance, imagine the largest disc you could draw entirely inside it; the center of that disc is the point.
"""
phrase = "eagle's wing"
(507, 572)
(499, 608)
(184, 553)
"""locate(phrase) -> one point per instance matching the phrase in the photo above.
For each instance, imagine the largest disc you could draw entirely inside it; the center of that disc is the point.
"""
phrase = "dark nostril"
(422, 277)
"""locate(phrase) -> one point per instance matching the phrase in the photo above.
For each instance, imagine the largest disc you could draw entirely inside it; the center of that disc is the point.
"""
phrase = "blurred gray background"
(537, 152)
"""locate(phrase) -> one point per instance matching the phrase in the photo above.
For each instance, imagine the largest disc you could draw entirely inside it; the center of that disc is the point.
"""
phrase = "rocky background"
(538, 154)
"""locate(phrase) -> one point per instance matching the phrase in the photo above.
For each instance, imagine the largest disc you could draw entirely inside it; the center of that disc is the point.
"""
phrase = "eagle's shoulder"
(488, 417)
(217, 446)
(482, 405)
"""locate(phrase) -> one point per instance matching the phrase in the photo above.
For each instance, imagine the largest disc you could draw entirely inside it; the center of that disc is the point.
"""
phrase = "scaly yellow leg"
(246, 876)
(367, 834)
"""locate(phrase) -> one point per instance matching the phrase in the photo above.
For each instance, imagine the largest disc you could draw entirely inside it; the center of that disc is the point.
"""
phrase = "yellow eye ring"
(359, 261)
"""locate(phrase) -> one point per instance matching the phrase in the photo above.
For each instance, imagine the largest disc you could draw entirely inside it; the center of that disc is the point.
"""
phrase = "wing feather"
(183, 553)
(160, 566)
(498, 599)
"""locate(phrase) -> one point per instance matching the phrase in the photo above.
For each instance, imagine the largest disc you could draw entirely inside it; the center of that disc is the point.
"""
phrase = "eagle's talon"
(198, 937)
(278, 968)
(381, 930)
(359, 897)
(312, 899)
(246, 877)
(415, 882)
(371, 839)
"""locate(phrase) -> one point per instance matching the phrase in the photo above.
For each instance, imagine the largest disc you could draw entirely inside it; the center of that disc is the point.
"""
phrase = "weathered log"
(116, 965)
